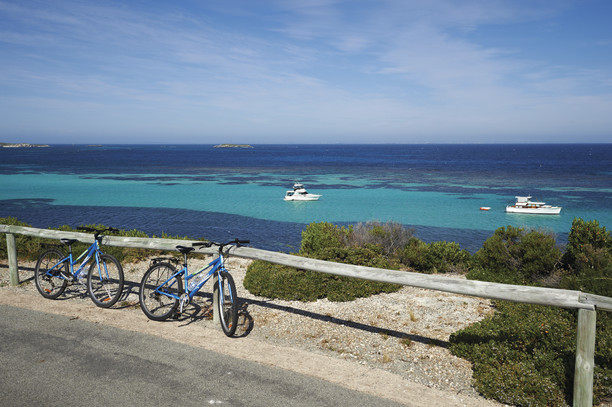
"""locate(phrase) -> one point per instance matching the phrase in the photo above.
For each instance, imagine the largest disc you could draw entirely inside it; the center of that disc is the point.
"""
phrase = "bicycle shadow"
(201, 307)
(342, 322)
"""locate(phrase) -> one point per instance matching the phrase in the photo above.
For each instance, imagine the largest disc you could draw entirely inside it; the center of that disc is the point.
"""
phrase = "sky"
(306, 71)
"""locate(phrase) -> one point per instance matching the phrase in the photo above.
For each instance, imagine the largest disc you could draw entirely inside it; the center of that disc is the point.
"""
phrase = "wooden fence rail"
(587, 304)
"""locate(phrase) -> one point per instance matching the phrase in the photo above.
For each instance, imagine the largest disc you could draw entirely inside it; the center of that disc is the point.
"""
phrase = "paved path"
(57, 360)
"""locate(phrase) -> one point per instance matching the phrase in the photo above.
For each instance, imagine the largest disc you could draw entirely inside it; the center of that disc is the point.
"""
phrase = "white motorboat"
(299, 193)
(524, 204)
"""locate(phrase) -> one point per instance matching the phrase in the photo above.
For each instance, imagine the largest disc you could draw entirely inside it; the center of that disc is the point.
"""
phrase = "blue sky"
(305, 71)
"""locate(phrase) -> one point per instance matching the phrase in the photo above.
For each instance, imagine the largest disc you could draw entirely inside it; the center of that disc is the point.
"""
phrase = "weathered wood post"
(11, 248)
(585, 358)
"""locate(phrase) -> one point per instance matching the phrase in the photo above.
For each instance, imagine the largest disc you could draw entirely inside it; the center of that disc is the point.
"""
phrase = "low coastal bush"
(390, 236)
(287, 283)
(372, 244)
(434, 257)
(516, 256)
(323, 241)
(524, 354)
(588, 258)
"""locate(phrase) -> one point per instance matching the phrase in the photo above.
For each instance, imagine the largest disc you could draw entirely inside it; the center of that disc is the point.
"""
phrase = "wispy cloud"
(396, 70)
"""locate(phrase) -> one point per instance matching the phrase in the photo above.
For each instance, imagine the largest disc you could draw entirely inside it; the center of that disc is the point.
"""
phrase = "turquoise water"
(262, 201)
(201, 191)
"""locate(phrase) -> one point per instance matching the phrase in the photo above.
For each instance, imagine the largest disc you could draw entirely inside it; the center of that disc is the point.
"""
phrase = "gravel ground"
(405, 333)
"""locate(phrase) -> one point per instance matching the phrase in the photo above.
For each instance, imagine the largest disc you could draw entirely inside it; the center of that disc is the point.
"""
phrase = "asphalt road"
(53, 360)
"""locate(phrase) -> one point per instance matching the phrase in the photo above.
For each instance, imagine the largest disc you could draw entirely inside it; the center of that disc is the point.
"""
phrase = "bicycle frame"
(213, 267)
(88, 253)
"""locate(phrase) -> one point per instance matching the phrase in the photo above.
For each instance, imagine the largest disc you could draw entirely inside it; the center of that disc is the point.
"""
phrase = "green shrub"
(287, 283)
(444, 257)
(323, 241)
(319, 236)
(370, 256)
(435, 257)
(515, 256)
(522, 355)
(389, 236)
(588, 257)
(415, 255)
(585, 239)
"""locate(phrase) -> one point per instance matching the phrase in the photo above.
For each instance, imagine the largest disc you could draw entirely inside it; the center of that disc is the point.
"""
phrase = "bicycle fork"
(184, 299)
(102, 269)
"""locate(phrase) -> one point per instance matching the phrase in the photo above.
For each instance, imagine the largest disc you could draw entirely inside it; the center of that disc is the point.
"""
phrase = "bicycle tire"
(51, 286)
(227, 303)
(155, 305)
(105, 283)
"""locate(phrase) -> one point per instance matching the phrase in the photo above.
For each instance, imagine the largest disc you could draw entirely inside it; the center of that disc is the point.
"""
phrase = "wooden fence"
(587, 304)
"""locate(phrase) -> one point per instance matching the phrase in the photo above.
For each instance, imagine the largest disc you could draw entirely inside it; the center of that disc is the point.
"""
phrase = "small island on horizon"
(233, 146)
(21, 145)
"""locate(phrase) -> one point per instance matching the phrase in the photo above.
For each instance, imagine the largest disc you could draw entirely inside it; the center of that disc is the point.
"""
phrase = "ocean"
(223, 193)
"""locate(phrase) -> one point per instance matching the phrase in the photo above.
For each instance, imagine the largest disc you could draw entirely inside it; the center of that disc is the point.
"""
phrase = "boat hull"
(311, 197)
(551, 210)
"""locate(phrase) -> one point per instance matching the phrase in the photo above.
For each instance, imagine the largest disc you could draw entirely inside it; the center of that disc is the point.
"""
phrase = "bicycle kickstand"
(183, 302)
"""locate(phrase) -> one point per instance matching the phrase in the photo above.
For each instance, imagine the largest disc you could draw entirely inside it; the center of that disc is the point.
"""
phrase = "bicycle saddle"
(68, 241)
(184, 249)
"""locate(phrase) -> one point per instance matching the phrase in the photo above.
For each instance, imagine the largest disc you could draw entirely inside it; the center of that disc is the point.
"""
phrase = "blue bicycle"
(104, 282)
(163, 289)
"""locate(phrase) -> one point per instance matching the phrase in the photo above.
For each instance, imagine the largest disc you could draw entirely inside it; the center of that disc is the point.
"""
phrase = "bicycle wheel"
(155, 286)
(228, 303)
(50, 274)
(105, 281)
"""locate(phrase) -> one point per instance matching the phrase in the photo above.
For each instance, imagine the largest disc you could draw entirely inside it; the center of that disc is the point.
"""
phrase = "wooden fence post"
(585, 358)
(11, 248)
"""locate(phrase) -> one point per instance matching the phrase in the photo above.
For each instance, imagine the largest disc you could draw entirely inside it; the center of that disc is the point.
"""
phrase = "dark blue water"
(201, 191)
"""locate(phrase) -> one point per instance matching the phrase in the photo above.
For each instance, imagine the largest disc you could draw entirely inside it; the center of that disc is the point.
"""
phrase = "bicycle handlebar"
(97, 232)
(237, 242)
